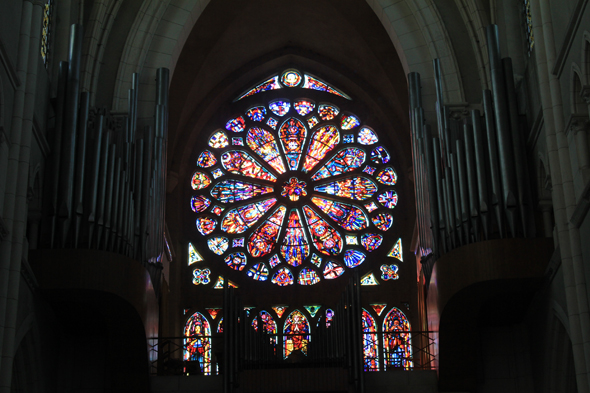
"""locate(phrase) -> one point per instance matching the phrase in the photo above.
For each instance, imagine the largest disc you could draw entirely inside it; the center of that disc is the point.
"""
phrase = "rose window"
(293, 191)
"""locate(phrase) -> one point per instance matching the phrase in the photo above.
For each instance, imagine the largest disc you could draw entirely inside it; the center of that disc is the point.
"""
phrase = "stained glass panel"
(358, 188)
(238, 219)
(213, 312)
(279, 108)
(347, 216)
(345, 160)
(200, 181)
(313, 309)
(383, 221)
(272, 123)
(369, 279)
(198, 342)
(397, 346)
(230, 191)
(292, 136)
(237, 141)
(258, 272)
(388, 199)
(193, 255)
(270, 84)
(371, 206)
(379, 307)
(283, 277)
(238, 242)
(369, 170)
(219, 140)
(325, 238)
(348, 138)
(367, 136)
(308, 276)
(205, 225)
(258, 113)
(217, 173)
(322, 141)
(329, 317)
(353, 258)
(379, 155)
(313, 83)
(218, 244)
(312, 122)
(389, 272)
(396, 251)
(304, 107)
(263, 239)
(296, 327)
(371, 241)
(206, 159)
(269, 326)
(370, 343)
(316, 260)
(291, 78)
(351, 240)
(236, 125)
(387, 176)
(295, 247)
(349, 122)
(200, 203)
(217, 210)
(264, 144)
(327, 111)
(280, 310)
(274, 261)
(236, 261)
(242, 163)
(332, 270)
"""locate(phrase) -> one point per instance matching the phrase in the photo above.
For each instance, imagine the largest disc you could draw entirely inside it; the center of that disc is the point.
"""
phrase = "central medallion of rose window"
(346, 204)
(293, 189)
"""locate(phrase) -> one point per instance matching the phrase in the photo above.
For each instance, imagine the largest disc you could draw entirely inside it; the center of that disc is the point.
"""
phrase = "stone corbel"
(458, 110)
(577, 122)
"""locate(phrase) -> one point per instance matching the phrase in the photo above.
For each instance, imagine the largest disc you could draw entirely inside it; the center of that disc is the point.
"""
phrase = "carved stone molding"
(577, 122)
(585, 93)
(458, 110)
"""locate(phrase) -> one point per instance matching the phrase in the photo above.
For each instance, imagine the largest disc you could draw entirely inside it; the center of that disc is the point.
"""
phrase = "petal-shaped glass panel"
(379, 155)
(388, 199)
(279, 108)
(200, 181)
(200, 203)
(270, 84)
(236, 261)
(236, 125)
(258, 272)
(367, 136)
(205, 225)
(353, 258)
(327, 111)
(242, 163)
(347, 216)
(295, 247)
(206, 159)
(303, 107)
(371, 241)
(258, 113)
(387, 176)
(283, 277)
(313, 83)
(218, 244)
(345, 160)
(263, 239)
(323, 140)
(308, 276)
(348, 122)
(358, 188)
(230, 191)
(218, 140)
(238, 219)
(292, 136)
(264, 144)
(383, 221)
(325, 238)
(332, 270)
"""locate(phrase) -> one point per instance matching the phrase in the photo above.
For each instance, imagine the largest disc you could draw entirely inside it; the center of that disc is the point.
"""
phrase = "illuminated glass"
(258, 272)
(369, 170)
(272, 123)
(258, 113)
(279, 108)
(327, 111)
(353, 258)
(396, 251)
(219, 285)
(388, 199)
(270, 84)
(304, 107)
(263, 239)
(239, 219)
(269, 326)
(282, 277)
(348, 138)
(238, 242)
(387, 176)
(218, 244)
(213, 312)
(264, 144)
(205, 225)
(332, 270)
(357, 188)
(371, 241)
(241, 163)
(292, 136)
(200, 203)
(220, 326)
(369, 279)
(347, 216)
(219, 140)
(274, 261)
(316, 260)
(237, 141)
(193, 255)
(367, 136)
(236, 125)
(217, 210)
(345, 160)
(370, 343)
(206, 159)
(378, 307)
(217, 173)
(308, 276)
(295, 247)
(351, 240)
(349, 122)
(46, 31)
(296, 334)
(329, 317)
(293, 189)
(201, 276)
(230, 191)
(312, 122)
(313, 83)
(323, 140)
(291, 78)
(379, 155)
(325, 238)
(280, 310)
(389, 272)
(197, 342)
(397, 348)
(383, 221)
(371, 206)
(236, 261)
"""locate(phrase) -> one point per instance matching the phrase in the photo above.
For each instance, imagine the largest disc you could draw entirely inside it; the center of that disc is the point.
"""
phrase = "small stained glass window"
(46, 31)
(528, 23)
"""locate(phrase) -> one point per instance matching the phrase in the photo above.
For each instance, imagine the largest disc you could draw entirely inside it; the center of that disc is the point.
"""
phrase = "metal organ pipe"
(482, 177)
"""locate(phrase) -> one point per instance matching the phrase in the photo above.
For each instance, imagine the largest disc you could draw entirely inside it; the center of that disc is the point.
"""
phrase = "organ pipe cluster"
(470, 178)
(106, 178)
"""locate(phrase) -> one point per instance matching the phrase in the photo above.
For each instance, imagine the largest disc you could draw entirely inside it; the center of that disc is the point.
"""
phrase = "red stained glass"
(263, 239)
(345, 160)
(264, 144)
(205, 225)
(308, 276)
(270, 84)
(200, 181)
(257, 113)
(383, 221)
(283, 277)
(241, 163)
(230, 191)
(370, 341)
(200, 203)
(322, 142)
(236, 125)
(387, 176)
(357, 188)
(349, 122)
(296, 332)
(347, 216)
(397, 340)
(293, 189)
(239, 219)
(198, 342)
(315, 84)
(295, 247)
(206, 159)
(292, 136)
(328, 112)
(332, 270)
(371, 241)
(325, 238)
(236, 261)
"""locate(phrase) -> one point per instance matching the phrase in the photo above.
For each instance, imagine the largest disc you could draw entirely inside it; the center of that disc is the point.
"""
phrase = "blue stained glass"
(371, 241)
(236, 125)
(370, 341)
(308, 276)
(217, 173)
(295, 247)
(304, 107)
(313, 83)
(333, 270)
(345, 160)
(279, 108)
(206, 159)
(349, 122)
(239, 219)
(258, 272)
(388, 199)
(282, 277)
(230, 191)
(353, 258)
(389, 272)
(274, 261)
(397, 341)
(218, 244)
(270, 84)
(369, 170)
(312, 122)
(272, 123)
(198, 342)
(238, 242)
(348, 138)
(367, 136)
(383, 221)
(237, 141)
(257, 113)
(347, 216)
(218, 140)
(236, 261)
(379, 155)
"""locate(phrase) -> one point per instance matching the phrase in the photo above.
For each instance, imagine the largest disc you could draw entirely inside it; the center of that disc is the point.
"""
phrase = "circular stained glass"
(297, 203)
(291, 78)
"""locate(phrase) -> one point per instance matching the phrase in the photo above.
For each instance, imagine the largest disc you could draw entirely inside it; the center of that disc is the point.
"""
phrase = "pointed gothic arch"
(197, 342)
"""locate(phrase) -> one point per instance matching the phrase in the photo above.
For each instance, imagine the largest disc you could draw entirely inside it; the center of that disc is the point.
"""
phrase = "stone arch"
(577, 103)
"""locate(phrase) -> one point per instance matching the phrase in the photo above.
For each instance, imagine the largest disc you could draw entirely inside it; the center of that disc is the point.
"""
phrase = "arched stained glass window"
(269, 326)
(370, 343)
(397, 348)
(197, 342)
(308, 194)
(294, 334)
